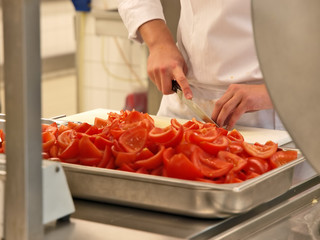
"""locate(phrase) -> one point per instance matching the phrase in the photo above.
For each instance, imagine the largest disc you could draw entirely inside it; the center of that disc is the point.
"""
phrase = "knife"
(195, 108)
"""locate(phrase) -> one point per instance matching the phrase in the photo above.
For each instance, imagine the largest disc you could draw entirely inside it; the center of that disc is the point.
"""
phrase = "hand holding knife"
(195, 108)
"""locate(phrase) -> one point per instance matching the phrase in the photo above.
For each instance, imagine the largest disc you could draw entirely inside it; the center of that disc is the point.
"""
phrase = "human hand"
(165, 62)
(239, 99)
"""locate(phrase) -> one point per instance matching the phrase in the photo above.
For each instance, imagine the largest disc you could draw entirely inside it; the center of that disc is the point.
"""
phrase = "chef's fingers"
(180, 77)
(235, 115)
(166, 83)
(218, 106)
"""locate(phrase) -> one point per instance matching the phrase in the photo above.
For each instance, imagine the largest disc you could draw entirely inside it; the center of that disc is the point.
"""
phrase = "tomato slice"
(82, 127)
(282, 157)
(259, 150)
(133, 140)
(257, 165)
(65, 138)
(100, 122)
(161, 135)
(219, 144)
(235, 136)
(90, 161)
(238, 162)
(105, 157)
(53, 128)
(203, 135)
(123, 157)
(93, 130)
(87, 149)
(176, 139)
(236, 147)
(209, 166)
(186, 148)
(174, 123)
(179, 166)
(152, 162)
(48, 140)
(71, 151)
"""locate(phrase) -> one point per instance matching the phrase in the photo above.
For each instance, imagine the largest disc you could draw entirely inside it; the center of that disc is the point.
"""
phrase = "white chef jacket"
(216, 39)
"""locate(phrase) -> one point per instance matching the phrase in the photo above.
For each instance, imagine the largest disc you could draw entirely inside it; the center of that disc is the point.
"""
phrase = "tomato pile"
(130, 141)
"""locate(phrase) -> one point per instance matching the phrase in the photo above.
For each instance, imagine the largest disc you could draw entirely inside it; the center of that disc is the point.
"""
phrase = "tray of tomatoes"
(190, 168)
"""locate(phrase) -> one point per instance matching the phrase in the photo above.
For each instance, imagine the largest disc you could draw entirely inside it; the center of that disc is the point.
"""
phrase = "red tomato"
(65, 138)
(105, 157)
(235, 147)
(102, 142)
(261, 151)
(123, 157)
(100, 123)
(90, 161)
(209, 166)
(179, 166)
(235, 136)
(152, 162)
(203, 135)
(176, 139)
(71, 151)
(53, 128)
(82, 127)
(282, 157)
(87, 149)
(186, 148)
(93, 130)
(48, 140)
(161, 135)
(174, 123)
(63, 128)
(144, 154)
(257, 165)
(219, 144)
(238, 162)
(232, 177)
(133, 140)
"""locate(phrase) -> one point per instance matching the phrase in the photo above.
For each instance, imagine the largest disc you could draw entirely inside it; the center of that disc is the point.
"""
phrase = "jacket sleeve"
(136, 12)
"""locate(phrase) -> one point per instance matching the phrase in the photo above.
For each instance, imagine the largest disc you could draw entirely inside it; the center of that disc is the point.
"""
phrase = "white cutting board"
(251, 135)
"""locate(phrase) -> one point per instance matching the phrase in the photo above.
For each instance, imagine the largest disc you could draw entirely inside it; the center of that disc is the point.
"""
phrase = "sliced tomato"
(133, 140)
(93, 130)
(87, 149)
(203, 135)
(142, 170)
(53, 128)
(259, 150)
(236, 147)
(145, 153)
(176, 139)
(174, 123)
(65, 138)
(100, 122)
(102, 142)
(153, 162)
(219, 144)
(48, 140)
(282, 157)
(123, 157)
(209, 166)
(235, 136)
(161, 135)
(126, 167)
(238, 162)
(186, 148)
(62, 128)
(90, 161)
(105, 157)
(179, 166)
(82, 127)
(257, 165)
(71, 151)
(53, 151)
(232, 177)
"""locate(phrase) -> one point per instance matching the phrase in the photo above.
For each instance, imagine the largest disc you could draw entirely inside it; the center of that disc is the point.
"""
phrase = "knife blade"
(194, 107)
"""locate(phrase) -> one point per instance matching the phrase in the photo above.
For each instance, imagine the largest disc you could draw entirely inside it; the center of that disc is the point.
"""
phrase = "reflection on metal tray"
(189, 198)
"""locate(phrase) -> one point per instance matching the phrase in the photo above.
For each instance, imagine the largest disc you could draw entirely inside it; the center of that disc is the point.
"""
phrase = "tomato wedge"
(179, 166)
(65, 138)
(203, 135)
(48, 140)
(257, 165)
(235, 136)
(87, 149)
(71, 151)
(161, 135)
(152, 162)
(219, 144)
(259, 150)
(282, 157)
(133, 140)
(238, 162)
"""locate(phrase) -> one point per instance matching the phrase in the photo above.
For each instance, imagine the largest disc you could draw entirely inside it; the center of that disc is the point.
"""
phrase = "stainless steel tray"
(183, 197)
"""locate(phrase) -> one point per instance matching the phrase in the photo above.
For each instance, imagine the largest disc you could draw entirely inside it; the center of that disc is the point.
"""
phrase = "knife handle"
(175, 86)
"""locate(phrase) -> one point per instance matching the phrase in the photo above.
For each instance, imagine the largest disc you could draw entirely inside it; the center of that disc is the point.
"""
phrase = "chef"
(214, 60)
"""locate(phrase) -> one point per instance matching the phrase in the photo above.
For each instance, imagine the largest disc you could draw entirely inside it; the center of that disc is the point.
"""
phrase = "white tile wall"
(109, 63)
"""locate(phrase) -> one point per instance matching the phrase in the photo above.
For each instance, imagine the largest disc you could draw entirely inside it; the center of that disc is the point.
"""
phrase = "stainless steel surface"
(22, 74)
(190, 198)
(287, 36)
(194, 107)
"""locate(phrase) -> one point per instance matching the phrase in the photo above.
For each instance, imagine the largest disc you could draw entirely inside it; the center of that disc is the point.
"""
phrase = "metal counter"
(293, 215)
